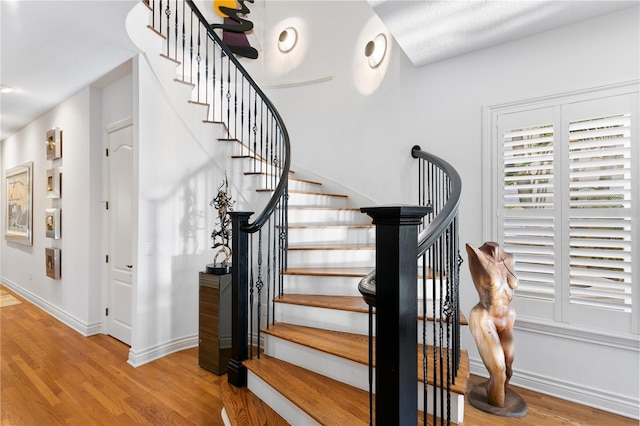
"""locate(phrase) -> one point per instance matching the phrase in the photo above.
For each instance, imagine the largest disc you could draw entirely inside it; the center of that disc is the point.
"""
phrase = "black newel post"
(237, 373)
(396, 313)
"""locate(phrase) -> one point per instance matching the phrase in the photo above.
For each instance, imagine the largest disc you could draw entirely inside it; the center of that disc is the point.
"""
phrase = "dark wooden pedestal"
(214, 326)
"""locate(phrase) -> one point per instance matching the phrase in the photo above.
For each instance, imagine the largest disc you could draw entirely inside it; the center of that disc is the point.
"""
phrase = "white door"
(120, 216)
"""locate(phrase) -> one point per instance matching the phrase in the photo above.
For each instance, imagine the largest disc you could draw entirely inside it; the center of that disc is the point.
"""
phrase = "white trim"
(300, 83)
(119, 125)
(574, 392)
(59, 314)
(564, 331)
(144, 356)
(625, 87)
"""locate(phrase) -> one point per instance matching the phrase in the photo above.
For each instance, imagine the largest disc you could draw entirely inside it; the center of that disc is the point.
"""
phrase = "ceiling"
(429, 31)
(51, 49)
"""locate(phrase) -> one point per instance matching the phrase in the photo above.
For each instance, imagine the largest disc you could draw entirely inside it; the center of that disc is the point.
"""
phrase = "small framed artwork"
(19, 202)
(54, 183)
(52, 257)
(52, 223)
(54, 143)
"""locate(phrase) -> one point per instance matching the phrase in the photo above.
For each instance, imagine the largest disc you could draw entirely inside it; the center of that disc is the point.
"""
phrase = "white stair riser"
(335, 367)
(311, 216)
(297, 199)
(322, 285)
(337, 286)
(328, 319)
(267, 181)
(456, 406)
(343, 235)
(281, 405)
(337, 320)
(351, 373)
(331, 258)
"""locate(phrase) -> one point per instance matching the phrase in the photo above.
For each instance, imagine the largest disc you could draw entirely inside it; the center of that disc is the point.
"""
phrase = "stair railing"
(251, 121)
(396, 280)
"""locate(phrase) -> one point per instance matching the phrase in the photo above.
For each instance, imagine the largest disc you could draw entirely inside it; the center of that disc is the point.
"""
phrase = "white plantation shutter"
(528, 202)
(567, 188)
(600, 188)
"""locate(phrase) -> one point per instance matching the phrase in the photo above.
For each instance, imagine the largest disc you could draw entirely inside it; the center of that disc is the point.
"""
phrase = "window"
(564, 175)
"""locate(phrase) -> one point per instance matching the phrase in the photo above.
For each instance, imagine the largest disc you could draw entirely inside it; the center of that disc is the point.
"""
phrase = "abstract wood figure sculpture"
(491, 323)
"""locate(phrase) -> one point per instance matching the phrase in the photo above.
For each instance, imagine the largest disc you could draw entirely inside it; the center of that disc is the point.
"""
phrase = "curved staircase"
(314, 363)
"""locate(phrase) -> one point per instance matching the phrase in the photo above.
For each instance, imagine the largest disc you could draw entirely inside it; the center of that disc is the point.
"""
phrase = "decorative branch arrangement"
(221, 234)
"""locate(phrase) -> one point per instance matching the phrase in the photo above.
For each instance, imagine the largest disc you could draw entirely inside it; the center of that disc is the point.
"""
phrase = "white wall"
(357, 129)
(73, 297)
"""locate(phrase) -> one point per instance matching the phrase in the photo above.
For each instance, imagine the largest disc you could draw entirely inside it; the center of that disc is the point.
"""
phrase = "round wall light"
(287, 39)
(375, 50)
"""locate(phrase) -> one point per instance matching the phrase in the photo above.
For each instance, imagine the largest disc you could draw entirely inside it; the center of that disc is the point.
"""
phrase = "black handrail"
(445, 217)
(280, 190)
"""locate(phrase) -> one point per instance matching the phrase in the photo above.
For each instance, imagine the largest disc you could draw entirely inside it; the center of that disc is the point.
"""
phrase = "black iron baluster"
(175, 35)
(184, 40)
(191, 51)
(251, 296)
(167, 12)
(206, 74)
(259, 285)
(198, 59)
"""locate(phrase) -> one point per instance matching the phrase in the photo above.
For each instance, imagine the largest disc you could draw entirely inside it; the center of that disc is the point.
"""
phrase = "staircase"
(313, 366)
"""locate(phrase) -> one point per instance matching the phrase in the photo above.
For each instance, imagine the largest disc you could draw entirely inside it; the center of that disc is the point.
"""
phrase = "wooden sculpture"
(491, 323)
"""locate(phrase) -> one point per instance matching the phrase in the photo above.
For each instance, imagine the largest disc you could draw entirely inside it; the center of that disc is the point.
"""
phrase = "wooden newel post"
(396, 351)
(237, 373)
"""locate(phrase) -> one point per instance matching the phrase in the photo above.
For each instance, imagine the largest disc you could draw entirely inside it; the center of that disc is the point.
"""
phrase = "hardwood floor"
(52, 375)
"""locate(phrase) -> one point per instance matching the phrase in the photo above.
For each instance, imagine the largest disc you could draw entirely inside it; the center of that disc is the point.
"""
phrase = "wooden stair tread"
(243, 407)
(344, 303)
(355, 347)
(328, 401)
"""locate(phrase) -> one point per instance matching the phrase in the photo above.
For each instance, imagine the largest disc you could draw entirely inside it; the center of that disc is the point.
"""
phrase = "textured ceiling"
(429, 31)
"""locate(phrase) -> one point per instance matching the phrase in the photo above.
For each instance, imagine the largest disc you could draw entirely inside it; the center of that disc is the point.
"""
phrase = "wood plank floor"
(51, 375)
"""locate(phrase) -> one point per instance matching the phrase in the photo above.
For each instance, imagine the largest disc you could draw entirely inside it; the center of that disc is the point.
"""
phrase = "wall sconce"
(288, 39)
(375, 50)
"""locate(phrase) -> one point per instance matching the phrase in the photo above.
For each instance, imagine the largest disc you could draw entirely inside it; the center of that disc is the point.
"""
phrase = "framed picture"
(19, 204)
(52, 223)
(52, 257)
(54, 183)
(54, 143)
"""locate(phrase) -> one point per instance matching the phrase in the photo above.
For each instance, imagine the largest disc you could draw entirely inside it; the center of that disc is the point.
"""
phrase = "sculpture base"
(212, 268)
(514, 405)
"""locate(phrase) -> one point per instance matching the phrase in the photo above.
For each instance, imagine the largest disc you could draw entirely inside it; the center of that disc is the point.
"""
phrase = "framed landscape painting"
(19, 215)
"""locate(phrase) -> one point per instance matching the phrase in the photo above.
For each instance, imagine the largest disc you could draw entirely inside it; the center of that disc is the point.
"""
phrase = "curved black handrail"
(436, 227)
(283, 182)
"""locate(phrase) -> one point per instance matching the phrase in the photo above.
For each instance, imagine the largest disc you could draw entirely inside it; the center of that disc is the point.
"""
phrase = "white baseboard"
(59, 314)
(139, 357)
(590, 397)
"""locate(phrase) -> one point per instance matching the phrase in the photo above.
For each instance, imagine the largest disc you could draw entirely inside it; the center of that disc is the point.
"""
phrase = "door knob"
(129, 266)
